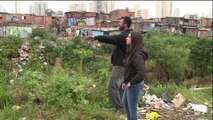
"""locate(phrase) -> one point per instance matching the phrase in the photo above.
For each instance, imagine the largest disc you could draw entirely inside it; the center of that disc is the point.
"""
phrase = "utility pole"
(16, 7)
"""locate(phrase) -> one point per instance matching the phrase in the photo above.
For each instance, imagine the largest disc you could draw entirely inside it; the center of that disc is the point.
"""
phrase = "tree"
(60, 12)
(49, 12)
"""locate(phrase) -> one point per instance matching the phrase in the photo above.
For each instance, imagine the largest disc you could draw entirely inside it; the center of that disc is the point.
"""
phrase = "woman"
(134, 73)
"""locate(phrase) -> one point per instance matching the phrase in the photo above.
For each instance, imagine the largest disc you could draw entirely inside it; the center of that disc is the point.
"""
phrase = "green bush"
(169, 54)
(9, 46)
(8, 50)
(63, 90)
(4, 95)
(106, 48)
(40, 32)
(200, 57)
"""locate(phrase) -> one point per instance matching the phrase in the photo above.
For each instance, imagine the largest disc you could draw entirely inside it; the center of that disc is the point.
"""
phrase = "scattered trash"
(23, 54)
(37, 38)
(93, 85)
(143, 111)
(204, 88)
(151, 115)
(205, 103)
(11, 81)
(146, 88)
(149, 99)
(165, 97)
(156, 102)
(186, 108)
(23, 118)
(16, 107)
(178, 100)
(199, 108)
(41, 54)
(45, 63)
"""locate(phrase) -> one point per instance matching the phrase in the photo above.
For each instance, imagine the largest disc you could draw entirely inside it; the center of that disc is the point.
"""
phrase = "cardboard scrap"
(178, 100)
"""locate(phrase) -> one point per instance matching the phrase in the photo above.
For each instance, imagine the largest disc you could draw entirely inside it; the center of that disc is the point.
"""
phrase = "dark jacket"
(119, 51)
(136, 73)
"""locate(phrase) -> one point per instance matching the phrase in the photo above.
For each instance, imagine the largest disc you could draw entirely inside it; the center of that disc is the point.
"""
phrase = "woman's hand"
(126, 85)
(90, 39)
(123, 85)
(129, 85)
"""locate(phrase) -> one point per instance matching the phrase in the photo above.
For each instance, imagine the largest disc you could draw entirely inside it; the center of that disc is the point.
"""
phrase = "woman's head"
(134, 39)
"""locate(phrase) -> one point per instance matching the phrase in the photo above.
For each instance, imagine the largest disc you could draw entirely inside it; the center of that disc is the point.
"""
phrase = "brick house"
(180, 25)
(205, 27)
(88, 18)
(119, 13)
(172, 25)
(205, 22)
(79, 14)
(150, 24)
(42, 21)
(24, 18)
(203, 32)
(137, 24)
(103, 20)
(8, 19)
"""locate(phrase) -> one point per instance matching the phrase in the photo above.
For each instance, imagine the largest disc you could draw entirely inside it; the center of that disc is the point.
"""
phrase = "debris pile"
(23, 54)
(161, 107)
(41, 54)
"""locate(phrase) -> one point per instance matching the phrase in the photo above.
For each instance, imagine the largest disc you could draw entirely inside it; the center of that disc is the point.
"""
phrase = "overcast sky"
(186, 7)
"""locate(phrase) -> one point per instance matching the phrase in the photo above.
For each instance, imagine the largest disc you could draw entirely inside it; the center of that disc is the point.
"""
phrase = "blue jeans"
(130, 100)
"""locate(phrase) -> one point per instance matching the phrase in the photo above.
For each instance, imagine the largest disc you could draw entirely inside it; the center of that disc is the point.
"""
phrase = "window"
(23, 17)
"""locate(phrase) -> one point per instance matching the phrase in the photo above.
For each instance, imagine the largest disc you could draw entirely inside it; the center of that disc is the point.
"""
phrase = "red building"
(80, 19)
(203, 32)
(3, 16)
(42, 20)
(8, 19)
(79, 15)
(205, 22)
(119, 13)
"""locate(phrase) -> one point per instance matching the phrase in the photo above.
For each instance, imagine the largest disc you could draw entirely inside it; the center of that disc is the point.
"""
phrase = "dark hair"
(127, 20)
(136, 44)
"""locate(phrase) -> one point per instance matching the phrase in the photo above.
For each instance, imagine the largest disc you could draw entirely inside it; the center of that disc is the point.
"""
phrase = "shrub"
(41, 32)
(9, 46)
(200, 57)
(169, 53)
(4, 95)
(63, 90)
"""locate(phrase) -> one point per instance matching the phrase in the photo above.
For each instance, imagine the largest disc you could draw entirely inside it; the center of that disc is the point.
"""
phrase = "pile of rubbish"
(154, 105)
(41, 54)
(23, 54)
(177, 102)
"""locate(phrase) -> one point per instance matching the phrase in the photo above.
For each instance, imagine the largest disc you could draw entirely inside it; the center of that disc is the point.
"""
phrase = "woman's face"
(128, 39)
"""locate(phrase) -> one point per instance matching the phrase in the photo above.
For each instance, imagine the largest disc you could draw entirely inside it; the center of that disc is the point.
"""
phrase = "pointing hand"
(90, 39)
